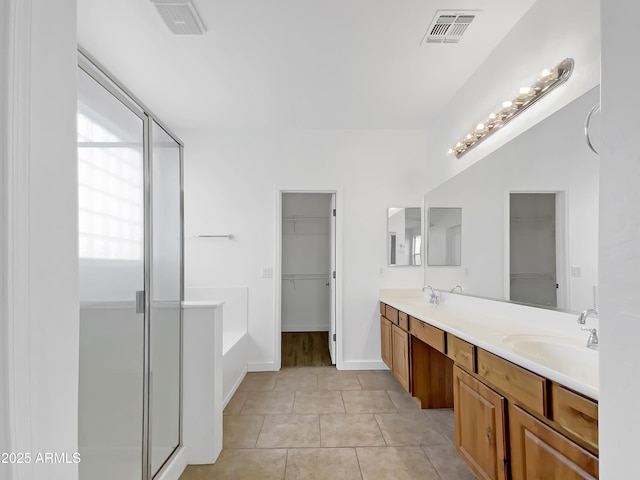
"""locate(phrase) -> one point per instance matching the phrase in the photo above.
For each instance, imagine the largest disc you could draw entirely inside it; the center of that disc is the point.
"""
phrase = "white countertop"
(511, 332)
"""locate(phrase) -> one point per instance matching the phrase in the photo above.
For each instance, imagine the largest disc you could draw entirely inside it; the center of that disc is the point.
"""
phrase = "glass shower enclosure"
(131, 277)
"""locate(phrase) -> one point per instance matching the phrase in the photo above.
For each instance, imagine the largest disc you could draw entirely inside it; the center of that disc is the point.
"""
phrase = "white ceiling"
(293, 63)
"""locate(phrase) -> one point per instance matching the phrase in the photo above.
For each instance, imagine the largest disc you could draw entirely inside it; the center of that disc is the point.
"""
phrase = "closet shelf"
(305, 276)
(531, 276)
(295, 218)
(294, 277)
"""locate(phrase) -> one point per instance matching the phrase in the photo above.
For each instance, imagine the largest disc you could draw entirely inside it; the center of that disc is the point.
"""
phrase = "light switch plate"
(576, 271)
(267, 272)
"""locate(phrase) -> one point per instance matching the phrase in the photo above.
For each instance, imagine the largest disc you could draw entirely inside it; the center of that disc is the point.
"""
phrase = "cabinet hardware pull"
(489, 433)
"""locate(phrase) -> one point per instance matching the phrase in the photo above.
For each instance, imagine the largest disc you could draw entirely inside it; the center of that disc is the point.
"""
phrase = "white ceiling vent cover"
(180, 16)
(448, 26)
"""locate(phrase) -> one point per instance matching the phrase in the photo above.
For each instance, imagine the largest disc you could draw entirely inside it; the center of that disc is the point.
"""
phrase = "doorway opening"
(536, 253)
(306, 298)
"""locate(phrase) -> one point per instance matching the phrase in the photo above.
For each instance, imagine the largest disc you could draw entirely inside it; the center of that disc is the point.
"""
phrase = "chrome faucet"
(592, 341)
(433, 299)
(457, 286)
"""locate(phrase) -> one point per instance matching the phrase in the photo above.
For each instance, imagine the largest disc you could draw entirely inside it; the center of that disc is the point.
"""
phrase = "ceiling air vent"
(180, 16)
(448, 27)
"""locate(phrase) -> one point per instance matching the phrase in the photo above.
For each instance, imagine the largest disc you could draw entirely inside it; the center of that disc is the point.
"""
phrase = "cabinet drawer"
(403, 321)
(382, 308)
(577, 414)
(460, 352)
(391, 313)
(432, 336)
(523, 386)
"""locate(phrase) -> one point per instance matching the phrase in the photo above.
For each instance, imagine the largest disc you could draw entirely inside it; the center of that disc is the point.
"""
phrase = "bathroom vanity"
(522, 384)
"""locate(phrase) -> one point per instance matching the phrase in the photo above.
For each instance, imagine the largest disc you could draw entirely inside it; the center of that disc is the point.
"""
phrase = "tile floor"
(321, 423)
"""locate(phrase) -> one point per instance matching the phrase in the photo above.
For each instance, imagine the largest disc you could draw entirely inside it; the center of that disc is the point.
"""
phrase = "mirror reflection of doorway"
(392, 248)
(532, 249)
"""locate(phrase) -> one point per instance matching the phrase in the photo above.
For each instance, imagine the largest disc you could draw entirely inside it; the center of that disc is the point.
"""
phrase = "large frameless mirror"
(404, 236)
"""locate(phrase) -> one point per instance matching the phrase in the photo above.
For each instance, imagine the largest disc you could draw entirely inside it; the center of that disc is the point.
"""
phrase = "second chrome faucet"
(592, 341)
(434, 299)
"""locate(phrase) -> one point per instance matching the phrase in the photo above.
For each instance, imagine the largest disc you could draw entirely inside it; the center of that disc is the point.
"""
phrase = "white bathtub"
(235, 341)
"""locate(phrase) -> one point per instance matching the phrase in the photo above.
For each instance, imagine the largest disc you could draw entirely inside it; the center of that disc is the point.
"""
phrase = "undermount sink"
(568, 353)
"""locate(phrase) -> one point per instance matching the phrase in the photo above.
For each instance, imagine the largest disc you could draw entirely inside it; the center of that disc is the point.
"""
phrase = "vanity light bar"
(549, 79)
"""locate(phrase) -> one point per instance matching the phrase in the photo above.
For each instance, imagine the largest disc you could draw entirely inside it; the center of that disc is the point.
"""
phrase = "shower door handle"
(140, 301)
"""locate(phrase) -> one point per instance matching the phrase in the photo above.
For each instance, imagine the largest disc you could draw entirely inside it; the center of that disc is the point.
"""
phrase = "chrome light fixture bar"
(549, 79)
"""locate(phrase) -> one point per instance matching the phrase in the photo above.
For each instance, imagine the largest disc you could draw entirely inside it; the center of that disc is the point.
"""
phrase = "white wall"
(551, 156)
(549, 32)
(306, 250)
(42, 234)
(4, 420)
(231, 179)
(619, 243)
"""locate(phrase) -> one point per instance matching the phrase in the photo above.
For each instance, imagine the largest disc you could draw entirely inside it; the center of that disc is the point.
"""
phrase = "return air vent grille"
(448, 27)
(180, 16)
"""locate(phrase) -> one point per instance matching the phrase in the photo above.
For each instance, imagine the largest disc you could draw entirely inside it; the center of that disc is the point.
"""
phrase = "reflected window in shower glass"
(444, 245)
(110, 191)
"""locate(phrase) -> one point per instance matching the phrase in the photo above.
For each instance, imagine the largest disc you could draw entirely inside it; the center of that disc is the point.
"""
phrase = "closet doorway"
(307, 334)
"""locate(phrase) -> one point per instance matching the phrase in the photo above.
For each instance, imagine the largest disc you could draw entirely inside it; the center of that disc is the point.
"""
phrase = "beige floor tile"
(368, 401)
(236, 403)
(196, 472)
(280, 431)
(395, 463)
(403, 400)
(338, 380)
(241, 431)
(308, 381)
(258, 381)
(286, 371)
(448, 463)
(322, 464)
(268, 403)
(318, 402)
(409, 428)
(350, 430)
(382, 380)
(444, 420)
(267, 464)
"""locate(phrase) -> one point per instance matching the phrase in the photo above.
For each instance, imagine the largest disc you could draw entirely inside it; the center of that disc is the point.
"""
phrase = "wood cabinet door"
(385, 337)
(400, 355)
(480, 426)
(538, 452)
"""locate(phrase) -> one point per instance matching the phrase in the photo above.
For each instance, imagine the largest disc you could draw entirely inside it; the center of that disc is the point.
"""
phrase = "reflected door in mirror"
(404, 236)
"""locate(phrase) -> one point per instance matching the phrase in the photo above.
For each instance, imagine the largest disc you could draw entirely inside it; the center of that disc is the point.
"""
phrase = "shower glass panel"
(166, 288)
(111, 194)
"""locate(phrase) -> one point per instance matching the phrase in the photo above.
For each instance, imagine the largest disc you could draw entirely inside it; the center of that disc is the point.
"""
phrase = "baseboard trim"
(174, 467)
(363, 365)
(261, 367)
(234, 388)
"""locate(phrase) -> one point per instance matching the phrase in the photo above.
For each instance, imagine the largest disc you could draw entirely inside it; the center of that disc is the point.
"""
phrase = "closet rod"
(227, 235)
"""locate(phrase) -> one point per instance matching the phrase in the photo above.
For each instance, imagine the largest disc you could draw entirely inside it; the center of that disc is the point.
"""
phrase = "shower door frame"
(103, 77)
